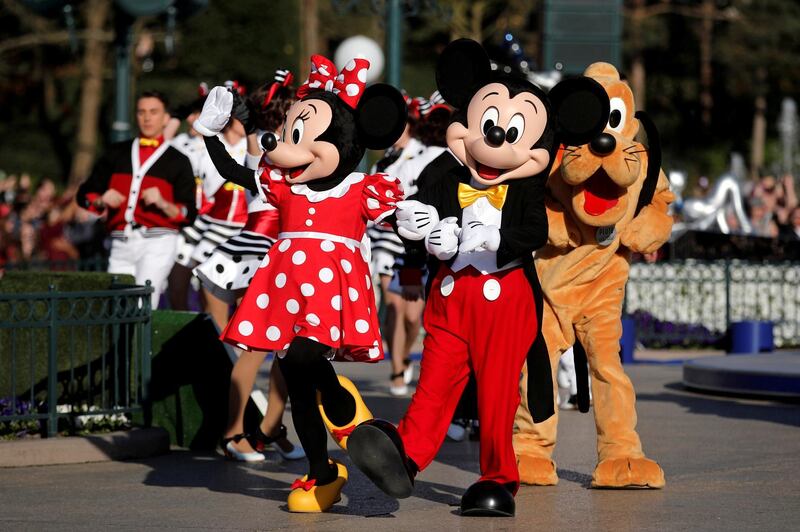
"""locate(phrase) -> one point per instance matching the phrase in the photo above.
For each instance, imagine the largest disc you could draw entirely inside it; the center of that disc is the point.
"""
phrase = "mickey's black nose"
(603, 144)
(496, 136)
(268, 141)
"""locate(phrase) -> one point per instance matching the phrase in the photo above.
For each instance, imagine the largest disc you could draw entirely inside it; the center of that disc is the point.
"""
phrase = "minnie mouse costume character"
(311, 300)
(481, 223)
(230, 268)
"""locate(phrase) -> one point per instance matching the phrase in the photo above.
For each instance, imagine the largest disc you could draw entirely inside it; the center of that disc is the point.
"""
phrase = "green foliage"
(248, 39)
(24, 281)
(24, 349)
(12, 430)
(245, 40)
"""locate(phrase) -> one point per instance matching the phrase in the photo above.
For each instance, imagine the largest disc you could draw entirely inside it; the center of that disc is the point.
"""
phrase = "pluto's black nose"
(603, 144)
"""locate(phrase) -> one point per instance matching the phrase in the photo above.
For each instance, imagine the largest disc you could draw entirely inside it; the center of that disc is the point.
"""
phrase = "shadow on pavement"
(186, 469)
(568, 475)
(729, 407)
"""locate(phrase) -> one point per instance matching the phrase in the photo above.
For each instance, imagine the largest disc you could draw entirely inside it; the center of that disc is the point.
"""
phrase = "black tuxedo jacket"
(523, 230)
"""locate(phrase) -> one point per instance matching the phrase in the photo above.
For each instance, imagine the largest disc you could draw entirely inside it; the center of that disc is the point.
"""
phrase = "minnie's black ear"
(380, 116)
(461, 67)
(581, 108)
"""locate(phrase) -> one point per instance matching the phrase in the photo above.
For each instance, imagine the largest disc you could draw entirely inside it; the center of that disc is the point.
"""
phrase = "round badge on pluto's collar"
(606, 235)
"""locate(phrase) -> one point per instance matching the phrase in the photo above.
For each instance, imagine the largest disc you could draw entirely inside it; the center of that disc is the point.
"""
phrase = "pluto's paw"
(627, 473)
(536, 471)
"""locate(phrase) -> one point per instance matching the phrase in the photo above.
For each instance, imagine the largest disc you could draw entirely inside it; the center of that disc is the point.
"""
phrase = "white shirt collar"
(315, 196)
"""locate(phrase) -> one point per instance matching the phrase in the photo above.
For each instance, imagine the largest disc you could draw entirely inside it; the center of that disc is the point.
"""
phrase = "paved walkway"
(730, 464)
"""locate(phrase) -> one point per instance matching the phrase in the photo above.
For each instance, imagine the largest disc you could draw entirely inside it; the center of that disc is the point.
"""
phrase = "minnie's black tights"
(307, 370)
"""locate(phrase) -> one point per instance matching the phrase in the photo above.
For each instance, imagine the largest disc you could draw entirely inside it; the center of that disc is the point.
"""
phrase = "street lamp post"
(394, 39)
(121, 127)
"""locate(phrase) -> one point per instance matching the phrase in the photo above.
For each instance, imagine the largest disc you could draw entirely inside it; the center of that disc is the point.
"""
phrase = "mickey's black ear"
(461, 66)
(381, 116)
(581, 108)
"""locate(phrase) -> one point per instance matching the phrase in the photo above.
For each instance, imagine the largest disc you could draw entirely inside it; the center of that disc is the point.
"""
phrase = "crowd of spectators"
(39, 224)
(773, 208)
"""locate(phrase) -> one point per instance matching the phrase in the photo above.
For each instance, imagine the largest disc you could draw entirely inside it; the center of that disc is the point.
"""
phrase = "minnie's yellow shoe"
(307, 497)
(340, 434)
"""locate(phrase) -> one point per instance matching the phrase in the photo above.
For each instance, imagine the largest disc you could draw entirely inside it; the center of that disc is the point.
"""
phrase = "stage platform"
(769, 375)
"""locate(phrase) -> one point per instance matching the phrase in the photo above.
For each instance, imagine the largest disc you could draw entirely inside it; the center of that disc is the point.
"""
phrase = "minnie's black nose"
(496, 136)
(603, 144)
(268, 141)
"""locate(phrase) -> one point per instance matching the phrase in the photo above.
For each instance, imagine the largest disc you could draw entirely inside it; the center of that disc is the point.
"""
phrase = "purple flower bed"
(17, 428)
(655, 333)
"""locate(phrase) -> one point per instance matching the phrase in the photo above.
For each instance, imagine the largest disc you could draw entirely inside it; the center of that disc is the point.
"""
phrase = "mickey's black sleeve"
(228, 167)
(527, 232)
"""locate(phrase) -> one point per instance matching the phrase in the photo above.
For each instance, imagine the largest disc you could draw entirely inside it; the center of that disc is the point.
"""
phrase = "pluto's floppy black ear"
(380, 116)
(580, 107)
(461, 67)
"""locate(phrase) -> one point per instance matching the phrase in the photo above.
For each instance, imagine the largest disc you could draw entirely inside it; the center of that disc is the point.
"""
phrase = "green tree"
(761, 54)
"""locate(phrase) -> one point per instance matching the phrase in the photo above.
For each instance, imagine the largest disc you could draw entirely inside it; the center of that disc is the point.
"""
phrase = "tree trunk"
(759, 126)
(458, 22)
(706, 34)
(94, 57)
(309, 42)
(637, 63)
(476, 21)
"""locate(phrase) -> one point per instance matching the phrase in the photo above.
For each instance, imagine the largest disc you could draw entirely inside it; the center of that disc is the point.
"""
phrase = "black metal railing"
(62, 354)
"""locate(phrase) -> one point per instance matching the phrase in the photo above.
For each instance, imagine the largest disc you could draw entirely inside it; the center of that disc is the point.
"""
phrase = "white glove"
(415, 220)
(476, 235)
(442, 242)
(216, 112)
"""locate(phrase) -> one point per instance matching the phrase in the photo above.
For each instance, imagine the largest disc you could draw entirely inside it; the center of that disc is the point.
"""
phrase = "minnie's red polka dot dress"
(315, 280)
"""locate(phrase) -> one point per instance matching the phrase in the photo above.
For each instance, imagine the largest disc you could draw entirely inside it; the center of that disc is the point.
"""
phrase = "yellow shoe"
(340, 434)
(306, 497)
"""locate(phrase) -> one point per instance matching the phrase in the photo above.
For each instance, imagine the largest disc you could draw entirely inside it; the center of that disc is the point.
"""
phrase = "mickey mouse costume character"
(481, 223)
(311, 300)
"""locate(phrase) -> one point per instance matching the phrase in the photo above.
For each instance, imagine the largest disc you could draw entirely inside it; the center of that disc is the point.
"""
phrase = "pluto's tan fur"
(583, 284)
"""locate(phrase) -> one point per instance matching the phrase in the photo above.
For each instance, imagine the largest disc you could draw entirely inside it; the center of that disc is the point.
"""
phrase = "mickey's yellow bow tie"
(149, 142)
(495, 194)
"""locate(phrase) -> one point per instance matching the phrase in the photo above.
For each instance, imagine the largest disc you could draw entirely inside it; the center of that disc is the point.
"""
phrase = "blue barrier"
(751, 336)
(627, 344)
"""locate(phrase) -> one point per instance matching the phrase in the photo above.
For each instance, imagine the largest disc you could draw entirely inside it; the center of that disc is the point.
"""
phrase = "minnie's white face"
(299, 154)
(497, 145)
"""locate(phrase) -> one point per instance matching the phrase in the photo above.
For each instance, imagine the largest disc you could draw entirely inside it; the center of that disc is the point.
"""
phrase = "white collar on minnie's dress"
(338, 191)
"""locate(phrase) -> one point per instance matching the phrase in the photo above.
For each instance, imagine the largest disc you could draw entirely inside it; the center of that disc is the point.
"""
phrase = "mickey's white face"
(298, 153)
(497, 144)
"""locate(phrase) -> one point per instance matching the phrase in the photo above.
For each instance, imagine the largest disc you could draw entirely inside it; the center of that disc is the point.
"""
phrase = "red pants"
(487, 322)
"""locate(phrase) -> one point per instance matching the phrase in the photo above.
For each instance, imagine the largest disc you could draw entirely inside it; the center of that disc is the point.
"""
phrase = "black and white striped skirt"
(188, 239)
(202, 238)
(227, 272)
(386, 247)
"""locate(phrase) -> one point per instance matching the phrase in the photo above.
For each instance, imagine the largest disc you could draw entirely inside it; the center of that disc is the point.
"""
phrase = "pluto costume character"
(599, 210)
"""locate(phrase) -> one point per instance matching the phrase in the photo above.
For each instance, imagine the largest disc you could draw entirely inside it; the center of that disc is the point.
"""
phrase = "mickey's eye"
(297, 130)
(516, 127)
(489, 119)
(616, 118)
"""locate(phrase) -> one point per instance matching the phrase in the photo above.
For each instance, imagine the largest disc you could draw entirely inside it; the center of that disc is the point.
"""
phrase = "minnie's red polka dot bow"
(348, 84)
